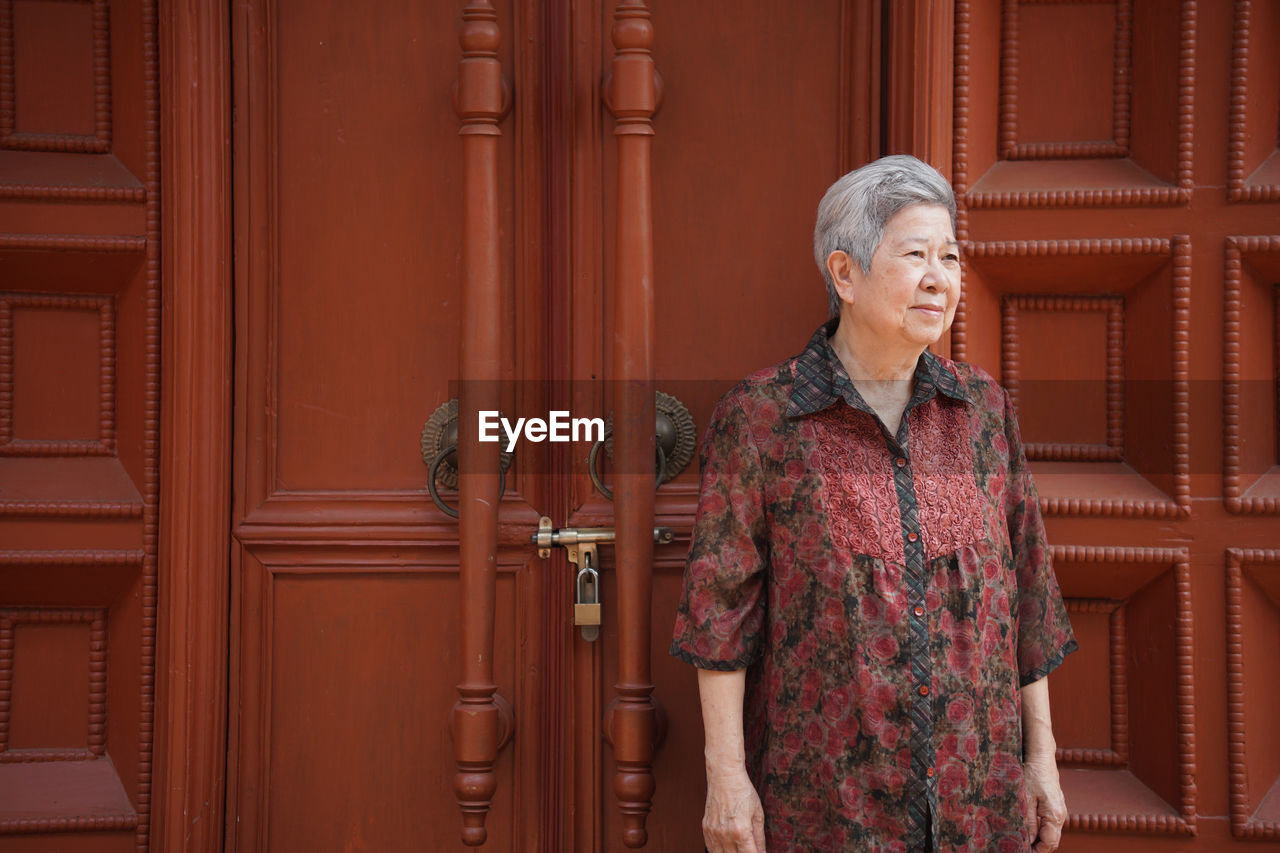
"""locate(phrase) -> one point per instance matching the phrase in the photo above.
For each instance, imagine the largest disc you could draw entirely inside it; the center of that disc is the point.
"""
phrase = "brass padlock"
(586, 614)
(586, 607)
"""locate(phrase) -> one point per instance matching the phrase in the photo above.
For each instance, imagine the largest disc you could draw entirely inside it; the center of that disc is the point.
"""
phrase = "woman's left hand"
(1046, 807)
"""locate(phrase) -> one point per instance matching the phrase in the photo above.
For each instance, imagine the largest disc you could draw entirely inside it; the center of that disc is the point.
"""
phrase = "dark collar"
(821, 379)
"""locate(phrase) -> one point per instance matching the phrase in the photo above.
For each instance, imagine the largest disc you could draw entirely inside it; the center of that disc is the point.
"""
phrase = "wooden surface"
(80, 305)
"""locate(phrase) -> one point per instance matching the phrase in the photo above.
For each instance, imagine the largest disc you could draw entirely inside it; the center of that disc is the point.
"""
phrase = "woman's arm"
(1046, 807)
(734, 818)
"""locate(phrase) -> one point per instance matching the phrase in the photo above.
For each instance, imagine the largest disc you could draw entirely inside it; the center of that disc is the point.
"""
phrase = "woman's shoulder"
(760, 393)
(981, 387)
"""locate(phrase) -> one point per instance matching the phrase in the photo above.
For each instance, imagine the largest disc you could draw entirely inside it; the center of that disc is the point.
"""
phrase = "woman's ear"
(845, 274)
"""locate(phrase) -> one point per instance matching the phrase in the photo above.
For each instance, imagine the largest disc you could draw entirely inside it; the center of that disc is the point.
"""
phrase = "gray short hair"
(855, 210)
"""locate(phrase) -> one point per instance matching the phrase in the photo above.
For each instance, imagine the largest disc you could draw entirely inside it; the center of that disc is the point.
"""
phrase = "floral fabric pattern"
(888, 595)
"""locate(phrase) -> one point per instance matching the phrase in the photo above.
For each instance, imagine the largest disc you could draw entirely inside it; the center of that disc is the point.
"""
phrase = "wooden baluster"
(478, 721)
(632, 95)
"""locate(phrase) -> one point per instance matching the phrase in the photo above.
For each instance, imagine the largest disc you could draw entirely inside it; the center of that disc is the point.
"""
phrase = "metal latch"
(580, 543)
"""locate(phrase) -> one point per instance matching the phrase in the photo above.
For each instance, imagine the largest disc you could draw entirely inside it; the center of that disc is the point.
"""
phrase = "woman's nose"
(935, 277)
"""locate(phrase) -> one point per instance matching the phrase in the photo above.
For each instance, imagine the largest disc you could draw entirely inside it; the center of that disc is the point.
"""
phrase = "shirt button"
(911, 537)
(902, 463)
(929, 772)
(924, 691)
(918, 610)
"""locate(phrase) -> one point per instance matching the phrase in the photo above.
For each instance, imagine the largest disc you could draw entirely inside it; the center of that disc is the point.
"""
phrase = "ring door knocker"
(675, 441)
(440, 453)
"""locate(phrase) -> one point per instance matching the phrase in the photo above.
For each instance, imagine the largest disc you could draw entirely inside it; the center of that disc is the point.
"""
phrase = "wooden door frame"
(189, 788)
(921, 81)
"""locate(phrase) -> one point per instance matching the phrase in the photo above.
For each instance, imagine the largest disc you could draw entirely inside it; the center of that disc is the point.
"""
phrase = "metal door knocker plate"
(675, 439)
(439, 445)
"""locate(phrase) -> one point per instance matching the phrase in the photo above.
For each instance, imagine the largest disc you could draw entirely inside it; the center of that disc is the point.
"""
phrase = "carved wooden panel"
(64, 658)
(65, 403)
(1088, 394)
(1061, 106)
(344, 703)
(1251, 373)
(1134, 317)
(55, 75)
(1131, 609)
(1253, 684)
(79, 421)
(1111, 423)
(1038, 43)
(43, 654)
(1254, 157)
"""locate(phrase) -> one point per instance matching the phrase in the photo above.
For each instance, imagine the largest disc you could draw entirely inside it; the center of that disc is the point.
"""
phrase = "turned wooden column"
(477, 719)
(631, 94)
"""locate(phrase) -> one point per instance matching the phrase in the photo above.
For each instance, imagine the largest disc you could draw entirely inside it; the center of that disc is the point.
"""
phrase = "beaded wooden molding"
(1178, 249)
(1012, 305)
(105, 442)
(1238, 188)
(77, 559)
(99, 142)
(151, 430)
(58, 192)
(1243, 824)
(74, 242)
(1009, 149)
(1180, 561)
(1233, 479)
(85, 823)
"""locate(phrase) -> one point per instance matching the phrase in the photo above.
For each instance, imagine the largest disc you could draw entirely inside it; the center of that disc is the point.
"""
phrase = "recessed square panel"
(1253, 690)
(1068, 408)
(1254, 159)
(57, 94)
(1131, 610)
(1074, 104)
(1251, 375)
(1102, 402)
(57, 375)
(52, 684)
(1066, 80)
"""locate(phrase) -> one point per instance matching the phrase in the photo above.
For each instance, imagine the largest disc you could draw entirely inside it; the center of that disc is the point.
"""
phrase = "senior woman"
(868, 598)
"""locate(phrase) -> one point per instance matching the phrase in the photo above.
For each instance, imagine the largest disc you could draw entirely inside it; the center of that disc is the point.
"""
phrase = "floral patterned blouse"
(888, 595)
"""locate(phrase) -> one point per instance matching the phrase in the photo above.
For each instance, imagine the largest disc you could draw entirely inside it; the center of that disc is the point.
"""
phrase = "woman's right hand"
(734, 819)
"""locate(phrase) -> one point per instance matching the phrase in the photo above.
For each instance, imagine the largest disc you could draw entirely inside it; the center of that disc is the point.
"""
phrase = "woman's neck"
(884, 378)
(865, 360)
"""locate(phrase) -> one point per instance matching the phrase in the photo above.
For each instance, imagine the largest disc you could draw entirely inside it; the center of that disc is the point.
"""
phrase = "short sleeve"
(721, 616)
(1044, 632)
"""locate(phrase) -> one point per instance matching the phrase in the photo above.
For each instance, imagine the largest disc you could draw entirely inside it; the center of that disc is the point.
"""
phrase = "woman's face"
(908, 298)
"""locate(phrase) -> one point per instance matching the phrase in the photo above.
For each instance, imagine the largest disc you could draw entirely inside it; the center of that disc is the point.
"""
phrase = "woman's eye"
(951, 258)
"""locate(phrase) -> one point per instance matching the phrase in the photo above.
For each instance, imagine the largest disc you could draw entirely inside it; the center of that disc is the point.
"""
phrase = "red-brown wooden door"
(79, 423)
(349, 204)
(1116, 165)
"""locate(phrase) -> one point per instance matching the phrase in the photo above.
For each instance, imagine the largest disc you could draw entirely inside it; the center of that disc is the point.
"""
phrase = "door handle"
(439, 445)
(580, 543)
(675, 442)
